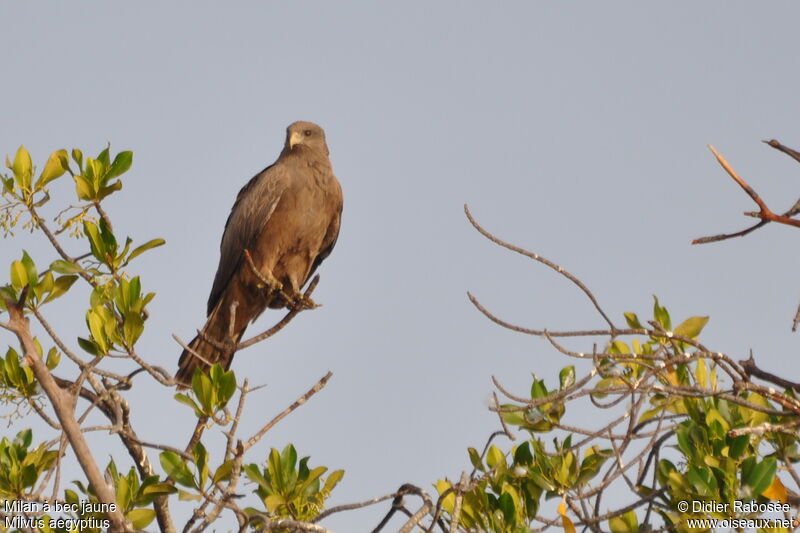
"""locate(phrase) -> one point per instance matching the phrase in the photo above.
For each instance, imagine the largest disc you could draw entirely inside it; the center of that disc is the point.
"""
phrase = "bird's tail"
(202, 353)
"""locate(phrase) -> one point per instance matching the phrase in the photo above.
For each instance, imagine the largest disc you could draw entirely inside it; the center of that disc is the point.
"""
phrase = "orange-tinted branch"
(765, 213)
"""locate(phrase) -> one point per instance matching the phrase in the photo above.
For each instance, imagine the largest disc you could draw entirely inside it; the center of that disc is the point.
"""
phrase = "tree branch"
(297, 403)
(64, 407)
(540, 259)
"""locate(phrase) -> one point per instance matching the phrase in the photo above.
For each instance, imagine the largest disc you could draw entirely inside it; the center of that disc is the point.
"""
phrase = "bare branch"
(794, 154)
(352, 506)
(765, 214)
(790, 428)
(750, 367)
(542, 260)
(297, 403)
(287, 523)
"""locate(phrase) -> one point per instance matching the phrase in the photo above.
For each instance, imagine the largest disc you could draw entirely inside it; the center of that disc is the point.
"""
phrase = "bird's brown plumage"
(287, 217)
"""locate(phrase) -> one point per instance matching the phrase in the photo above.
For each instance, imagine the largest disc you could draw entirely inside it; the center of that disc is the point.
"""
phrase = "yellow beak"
(295, 138)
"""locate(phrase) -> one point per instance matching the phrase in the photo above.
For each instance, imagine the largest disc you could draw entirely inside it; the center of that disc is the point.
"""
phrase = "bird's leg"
(298, 300)
(267, 278)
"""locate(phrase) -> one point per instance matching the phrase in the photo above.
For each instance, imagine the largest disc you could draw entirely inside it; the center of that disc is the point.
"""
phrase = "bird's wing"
(253, 207)
(332, 234)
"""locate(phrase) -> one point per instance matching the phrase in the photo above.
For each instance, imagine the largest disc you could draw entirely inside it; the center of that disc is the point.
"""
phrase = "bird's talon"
(304, 302)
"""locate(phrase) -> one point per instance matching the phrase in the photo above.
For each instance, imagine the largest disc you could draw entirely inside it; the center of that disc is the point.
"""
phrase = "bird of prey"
(284, 223)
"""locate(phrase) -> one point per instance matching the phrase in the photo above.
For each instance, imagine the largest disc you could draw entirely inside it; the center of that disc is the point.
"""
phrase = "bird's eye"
(307, 133)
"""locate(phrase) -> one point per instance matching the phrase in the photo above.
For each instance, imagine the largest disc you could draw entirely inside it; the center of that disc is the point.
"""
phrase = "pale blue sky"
(576, 130)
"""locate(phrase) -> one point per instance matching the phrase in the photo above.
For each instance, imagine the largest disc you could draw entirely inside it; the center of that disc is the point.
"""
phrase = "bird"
(284, 223)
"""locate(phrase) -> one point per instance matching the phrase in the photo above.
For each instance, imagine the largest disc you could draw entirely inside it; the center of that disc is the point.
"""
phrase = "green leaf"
(566, 377)
(186, 400)
(201, 462)
(538, 390)
(592, 463)
(22, 169)
(95, 171)
(475, 459)
(84, 188)
(12, 369)
(89, 346)
(188, 496)
(713, 415)
(332, 480)
(65, 267)
(619, 347)
(753, 417)
(122, 162)
(661, 315)
(144, 247)
(30, 268)
(53, 358)
(103, 157)
(274, 502)
(96, 321)
(515, 418)
(494, 457)
(201, 386)
(96, 241)
(522, 454)
(633, 320)
(19, 275)
(105, 191)
(61, 286)
(24, 438)
(759, 476)
(45, 285)
(227, 387)
(108, 237)
(626, 523)
(176, 468)
(738, 446)
(123, 492)
(223, 473)
(158, 488)
(140, 518)
(691, 327)
(132, 327)
(56, 165)
(77, 155)
(8, 185)
(289, 458)
(506, 505)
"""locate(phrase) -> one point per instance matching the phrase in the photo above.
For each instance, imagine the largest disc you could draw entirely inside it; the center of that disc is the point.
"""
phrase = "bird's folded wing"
(251, 211)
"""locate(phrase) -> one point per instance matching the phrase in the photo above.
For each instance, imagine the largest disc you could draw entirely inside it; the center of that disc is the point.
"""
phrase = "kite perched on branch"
(284, 223)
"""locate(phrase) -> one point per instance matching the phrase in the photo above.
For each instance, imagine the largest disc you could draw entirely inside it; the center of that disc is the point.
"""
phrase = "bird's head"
(305, 135)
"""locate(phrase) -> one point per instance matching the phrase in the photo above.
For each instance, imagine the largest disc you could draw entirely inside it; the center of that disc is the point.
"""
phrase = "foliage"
(116, 314)
(677, 422)
(713, 433)
(20, 466)
(288, 488)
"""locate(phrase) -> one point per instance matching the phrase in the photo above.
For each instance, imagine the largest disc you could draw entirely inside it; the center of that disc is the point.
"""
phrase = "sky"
(575, 130)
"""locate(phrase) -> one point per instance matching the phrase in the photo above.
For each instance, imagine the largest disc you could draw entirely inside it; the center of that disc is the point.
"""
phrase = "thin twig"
(794, 154)
(297, 403)
(351, 506)
(542, 260)
(765, 213)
